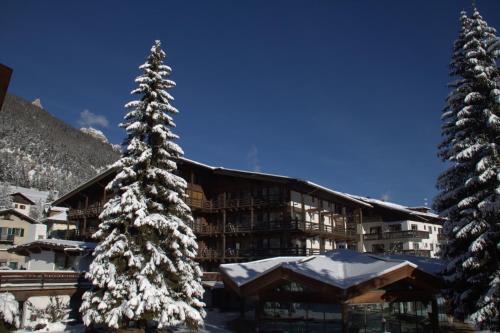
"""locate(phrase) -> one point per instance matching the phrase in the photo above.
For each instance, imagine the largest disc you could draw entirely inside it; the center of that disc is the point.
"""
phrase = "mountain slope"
(41, 151)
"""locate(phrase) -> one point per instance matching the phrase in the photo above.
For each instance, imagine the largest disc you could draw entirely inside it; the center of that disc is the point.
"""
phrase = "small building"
(22, 203)
(341, 291)
(58, 225)
(17, 228)
(56, 255)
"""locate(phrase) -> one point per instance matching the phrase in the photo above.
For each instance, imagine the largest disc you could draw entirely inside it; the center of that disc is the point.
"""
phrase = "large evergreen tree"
(143, 267)
(470, 188)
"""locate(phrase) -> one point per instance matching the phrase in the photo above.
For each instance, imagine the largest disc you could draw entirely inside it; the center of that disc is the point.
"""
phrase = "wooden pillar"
(345, 318)
(434, 316)
(67, 229)
(224, 228)
(303, 207)
(252, 217)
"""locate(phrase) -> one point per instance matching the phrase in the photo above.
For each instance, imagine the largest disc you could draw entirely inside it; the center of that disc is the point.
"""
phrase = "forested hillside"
(41, 151)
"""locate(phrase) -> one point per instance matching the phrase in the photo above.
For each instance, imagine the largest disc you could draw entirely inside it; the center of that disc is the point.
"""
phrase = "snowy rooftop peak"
(38, 103)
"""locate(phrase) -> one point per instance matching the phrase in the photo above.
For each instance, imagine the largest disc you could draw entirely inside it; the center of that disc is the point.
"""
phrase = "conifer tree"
(143, 267)
(470, 188)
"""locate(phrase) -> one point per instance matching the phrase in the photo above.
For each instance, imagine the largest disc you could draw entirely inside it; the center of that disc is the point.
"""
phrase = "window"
(22, 206)
(425, 227)
(375, 230)
(414, 227)
(60, 261)
(395, 227)
(13, 265)
(416, 246)
(432, 247)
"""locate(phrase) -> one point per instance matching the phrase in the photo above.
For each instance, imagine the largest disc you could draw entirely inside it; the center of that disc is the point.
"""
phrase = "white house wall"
(43, 261)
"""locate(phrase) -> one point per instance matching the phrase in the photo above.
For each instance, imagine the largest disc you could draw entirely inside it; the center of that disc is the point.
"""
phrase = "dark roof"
(226, 172)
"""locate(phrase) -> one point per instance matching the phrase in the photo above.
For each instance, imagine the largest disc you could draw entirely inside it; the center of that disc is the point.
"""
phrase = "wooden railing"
(233, 203)
(19, 280)
(93, 211)
(406, 234)
(240, 254)
(26, 279)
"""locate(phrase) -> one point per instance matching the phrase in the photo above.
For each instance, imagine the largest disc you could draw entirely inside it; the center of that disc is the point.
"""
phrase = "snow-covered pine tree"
(143, 267)
(470, 188)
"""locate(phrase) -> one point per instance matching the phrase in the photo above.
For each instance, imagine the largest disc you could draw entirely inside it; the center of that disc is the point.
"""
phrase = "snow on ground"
(215, 322)
(56, 328)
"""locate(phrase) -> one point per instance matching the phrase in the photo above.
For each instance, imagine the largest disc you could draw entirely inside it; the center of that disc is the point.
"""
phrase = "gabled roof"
(340, 269)
(84, 185)
(33, 194)
(19, 214)
(24, 196)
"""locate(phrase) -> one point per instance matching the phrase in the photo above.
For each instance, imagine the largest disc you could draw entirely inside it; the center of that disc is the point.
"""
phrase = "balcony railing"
(242, 254)
(267, 226)
(93, 211)
(233, 203)
(406, 234)
(40, 280)
(33, 280)
(7, 238)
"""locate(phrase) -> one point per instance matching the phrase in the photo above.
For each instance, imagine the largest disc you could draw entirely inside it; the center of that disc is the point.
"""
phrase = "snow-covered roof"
(339, 268)
(397, 207)
(60, 215)
(31, 193)
(56, 243)
(429, 265)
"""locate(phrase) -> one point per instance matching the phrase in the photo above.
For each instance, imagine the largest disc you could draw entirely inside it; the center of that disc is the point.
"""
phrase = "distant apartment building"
(17, 228)
(395, 229)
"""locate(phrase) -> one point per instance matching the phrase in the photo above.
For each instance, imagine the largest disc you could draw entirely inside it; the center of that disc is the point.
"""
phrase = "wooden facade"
(240, 216)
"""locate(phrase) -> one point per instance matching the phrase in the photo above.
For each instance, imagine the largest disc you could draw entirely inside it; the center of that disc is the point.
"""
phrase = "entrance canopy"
(340, 276)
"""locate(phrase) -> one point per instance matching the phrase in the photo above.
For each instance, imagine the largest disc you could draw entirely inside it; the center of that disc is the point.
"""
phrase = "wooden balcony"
(311, 228)
(92, 211)
(233, 204)
(393, 235)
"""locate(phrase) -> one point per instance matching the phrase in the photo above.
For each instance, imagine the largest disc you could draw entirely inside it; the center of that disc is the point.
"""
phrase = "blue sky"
(344, 93)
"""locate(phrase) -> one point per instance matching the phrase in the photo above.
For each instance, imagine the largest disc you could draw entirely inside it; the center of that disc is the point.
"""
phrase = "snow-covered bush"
(9, 309)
